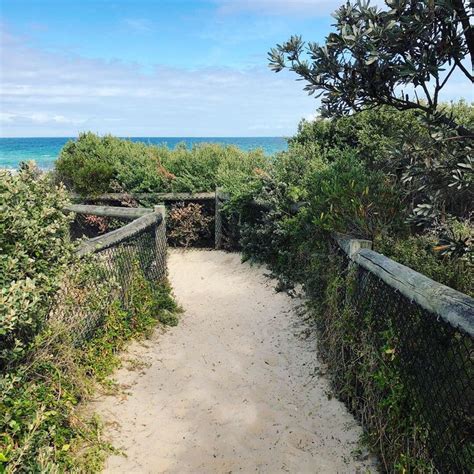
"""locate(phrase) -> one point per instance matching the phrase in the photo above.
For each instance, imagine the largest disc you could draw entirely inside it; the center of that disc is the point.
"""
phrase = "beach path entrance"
(237, 386)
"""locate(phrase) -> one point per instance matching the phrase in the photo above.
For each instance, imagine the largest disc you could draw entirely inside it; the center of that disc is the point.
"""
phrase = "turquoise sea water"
(45, 150)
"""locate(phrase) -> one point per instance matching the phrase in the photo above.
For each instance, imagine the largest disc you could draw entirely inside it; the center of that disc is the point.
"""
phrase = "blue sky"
(154, 67)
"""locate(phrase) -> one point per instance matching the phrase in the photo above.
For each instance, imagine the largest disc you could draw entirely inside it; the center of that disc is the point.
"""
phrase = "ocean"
(45, 150)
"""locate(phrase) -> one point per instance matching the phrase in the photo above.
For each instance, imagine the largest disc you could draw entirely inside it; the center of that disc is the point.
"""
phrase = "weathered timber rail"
(444, 302)
(115, 237)
(140, 196)
(109, 211)
(430, 329)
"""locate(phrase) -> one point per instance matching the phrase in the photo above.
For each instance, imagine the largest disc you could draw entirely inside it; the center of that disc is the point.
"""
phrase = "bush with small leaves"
(34, 251)
(187, 224)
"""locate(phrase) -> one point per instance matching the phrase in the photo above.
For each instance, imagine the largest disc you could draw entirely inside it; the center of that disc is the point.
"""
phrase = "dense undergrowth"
(62, 325)
(349, 176)
(93, 165)
(382, 174)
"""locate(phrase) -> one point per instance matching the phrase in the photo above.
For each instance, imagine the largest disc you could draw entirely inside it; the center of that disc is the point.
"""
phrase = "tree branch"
(464, 70)
(467, 28)
(445, 80)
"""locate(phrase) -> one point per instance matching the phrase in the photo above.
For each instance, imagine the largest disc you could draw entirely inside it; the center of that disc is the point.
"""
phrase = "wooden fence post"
(161, 209)
(350, 245)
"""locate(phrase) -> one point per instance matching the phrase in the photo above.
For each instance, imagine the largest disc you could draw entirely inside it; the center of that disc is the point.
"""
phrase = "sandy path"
(232, 388)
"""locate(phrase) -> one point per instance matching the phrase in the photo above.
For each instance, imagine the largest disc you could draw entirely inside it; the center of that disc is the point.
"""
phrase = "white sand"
(233, 388)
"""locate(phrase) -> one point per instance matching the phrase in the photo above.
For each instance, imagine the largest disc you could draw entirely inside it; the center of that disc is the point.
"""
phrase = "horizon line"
(155, 136)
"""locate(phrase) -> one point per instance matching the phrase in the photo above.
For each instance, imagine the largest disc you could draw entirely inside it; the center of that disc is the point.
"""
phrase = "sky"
(155, 67)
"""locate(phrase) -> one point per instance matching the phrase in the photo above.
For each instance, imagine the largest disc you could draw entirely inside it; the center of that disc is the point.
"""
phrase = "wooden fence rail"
(159, 197)
(109, 211)
(452, 306)
(117, 236)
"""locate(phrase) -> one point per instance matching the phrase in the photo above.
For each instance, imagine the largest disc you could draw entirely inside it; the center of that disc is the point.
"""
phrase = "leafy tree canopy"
(402, 56)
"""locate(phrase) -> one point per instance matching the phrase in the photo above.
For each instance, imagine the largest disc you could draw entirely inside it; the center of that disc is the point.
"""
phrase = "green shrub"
(240, 174)
(371, 134)
(34, 251)
(42, 428)
(432, 166)
(140, 169)
(342, 196)
(349, 198)
(94, 165)
(195, 168)
(89, 164)
(270, 234)
(419, 253)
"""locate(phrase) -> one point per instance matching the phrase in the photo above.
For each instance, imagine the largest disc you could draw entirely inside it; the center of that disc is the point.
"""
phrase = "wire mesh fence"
(191, 216)
(107, 267)
(427, 347)
(223, 224)
(435, 360)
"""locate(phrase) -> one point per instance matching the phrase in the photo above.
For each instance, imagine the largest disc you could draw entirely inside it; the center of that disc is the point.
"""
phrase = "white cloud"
(39, 118)
(45, 118)
(48, 94)
(6, 117)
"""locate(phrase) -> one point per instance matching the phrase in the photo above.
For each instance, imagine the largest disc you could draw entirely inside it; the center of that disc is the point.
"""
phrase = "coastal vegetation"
(394, 169)
(381, 174)
(379, 164)
(93, 165)
(50, 360)
(378, 174)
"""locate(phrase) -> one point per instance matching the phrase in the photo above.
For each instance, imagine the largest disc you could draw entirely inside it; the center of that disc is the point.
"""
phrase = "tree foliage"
(402, 56)
(399, 57)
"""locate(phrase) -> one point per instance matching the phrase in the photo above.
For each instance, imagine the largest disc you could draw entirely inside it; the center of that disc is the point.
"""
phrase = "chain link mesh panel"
(437, 364)
(104, 277)
(434, 359)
